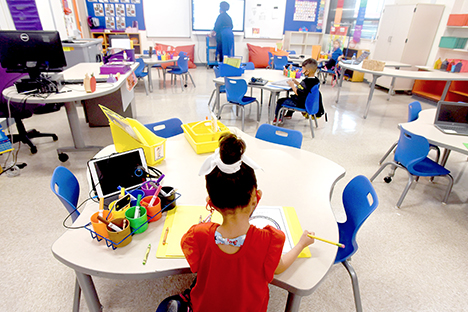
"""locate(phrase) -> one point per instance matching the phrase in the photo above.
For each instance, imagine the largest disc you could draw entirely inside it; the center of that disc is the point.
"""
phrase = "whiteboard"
(264, 19)
(205, 13)
(167, 18)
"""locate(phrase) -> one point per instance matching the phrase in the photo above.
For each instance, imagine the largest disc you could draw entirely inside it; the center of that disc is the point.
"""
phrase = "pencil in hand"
(326, 241)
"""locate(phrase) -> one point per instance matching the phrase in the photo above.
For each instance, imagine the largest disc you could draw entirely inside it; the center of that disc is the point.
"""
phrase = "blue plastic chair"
(248, 66)
(222, 89)
(182, 71)
(411, 155)
(235, 93)
(311, 107)
(279, 135)
(291, 52)
(279, 62)
(166, 128)
(65, 185)
(181, 54)
(270, 60)
(414, 108)
(357, 205)
(140, 72)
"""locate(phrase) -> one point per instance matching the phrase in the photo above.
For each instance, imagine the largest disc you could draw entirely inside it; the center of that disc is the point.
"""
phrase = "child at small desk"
(301, 90)
(234, 261)
(335, 56)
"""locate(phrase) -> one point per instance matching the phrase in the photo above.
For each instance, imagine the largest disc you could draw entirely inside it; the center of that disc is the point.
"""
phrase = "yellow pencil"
(326, 241)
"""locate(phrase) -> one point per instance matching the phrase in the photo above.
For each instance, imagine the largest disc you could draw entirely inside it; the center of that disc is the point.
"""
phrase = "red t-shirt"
(232, 282)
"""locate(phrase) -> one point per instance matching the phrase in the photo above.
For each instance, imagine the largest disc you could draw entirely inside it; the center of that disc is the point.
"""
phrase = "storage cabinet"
(303, 42)
(134, 37)
(406, 34)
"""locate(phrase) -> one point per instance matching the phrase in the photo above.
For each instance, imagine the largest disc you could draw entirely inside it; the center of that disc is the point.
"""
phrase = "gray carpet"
(409, 259)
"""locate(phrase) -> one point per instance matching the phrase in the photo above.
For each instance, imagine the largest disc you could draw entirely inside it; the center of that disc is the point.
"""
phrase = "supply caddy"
(204, 135)
(129, 134)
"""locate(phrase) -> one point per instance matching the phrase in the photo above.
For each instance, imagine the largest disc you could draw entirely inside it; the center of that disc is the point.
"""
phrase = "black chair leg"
(26, 136)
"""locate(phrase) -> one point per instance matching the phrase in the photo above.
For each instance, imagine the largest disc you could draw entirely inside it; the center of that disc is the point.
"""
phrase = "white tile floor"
(412, 259)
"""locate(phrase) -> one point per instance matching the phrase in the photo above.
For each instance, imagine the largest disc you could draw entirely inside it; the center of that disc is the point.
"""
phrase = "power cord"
(75, 211)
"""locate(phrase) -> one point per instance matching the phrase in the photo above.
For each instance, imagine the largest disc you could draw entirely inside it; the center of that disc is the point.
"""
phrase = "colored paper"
(466, 145)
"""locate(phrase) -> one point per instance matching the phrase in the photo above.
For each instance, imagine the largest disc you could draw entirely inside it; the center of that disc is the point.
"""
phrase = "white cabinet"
(406, 35)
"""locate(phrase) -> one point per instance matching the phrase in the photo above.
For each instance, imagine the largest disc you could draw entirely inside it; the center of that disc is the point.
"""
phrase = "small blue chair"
(414, 108)
(358, 207)
(291, 52)
(182, 71)
(181, 54)
(65, 185)
(235, 93)
(279, 135)
(222, 89)
(270, 60)
(411, 155)
(248, 66)
(140, 72)
(311, 107)
(279, 62)
(166, 128)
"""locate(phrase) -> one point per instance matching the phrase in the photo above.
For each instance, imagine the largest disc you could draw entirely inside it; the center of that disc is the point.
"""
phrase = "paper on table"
(466, 145)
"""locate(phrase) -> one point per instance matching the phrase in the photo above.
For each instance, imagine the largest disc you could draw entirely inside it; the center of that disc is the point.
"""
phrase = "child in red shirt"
(234, 261)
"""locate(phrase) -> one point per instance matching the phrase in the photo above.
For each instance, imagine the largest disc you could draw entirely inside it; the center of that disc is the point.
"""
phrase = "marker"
(110, 224)
(153, 199)
(326, 241)
(146, 254)
(200, 220)
(122, 192)
(160, 178)
(137, 208)
(165, 236)
(101, 207)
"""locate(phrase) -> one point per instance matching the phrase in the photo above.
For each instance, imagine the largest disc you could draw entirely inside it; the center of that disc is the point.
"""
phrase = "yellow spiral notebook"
(180, 219)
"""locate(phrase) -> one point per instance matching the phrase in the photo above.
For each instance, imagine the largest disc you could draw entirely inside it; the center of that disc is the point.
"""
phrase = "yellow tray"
(201, 137)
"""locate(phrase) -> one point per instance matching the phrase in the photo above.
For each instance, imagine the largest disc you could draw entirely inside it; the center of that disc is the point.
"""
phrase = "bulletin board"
(264, 18)
(117, 14)
(304, 13)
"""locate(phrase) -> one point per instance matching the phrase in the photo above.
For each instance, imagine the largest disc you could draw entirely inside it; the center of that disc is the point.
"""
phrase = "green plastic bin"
(448, 42)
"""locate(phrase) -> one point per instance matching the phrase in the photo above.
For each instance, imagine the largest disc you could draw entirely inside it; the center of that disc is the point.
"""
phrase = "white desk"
(435, 75)
(268, 74)
(424, 126)
(153, 60)
(309, 192)
(77, 94)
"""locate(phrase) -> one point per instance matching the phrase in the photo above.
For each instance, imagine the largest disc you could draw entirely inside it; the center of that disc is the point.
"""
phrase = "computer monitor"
(31, 52)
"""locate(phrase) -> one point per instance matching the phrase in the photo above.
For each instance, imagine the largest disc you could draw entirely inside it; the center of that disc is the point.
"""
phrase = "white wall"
(6, 22)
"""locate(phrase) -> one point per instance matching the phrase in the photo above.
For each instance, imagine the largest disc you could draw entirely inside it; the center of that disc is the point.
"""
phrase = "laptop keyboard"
(456, 129)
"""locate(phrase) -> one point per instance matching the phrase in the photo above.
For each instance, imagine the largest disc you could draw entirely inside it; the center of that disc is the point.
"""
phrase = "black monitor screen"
(453, 113)
(31, 52)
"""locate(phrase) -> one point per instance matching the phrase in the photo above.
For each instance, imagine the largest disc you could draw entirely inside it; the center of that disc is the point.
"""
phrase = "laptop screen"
(452, 113)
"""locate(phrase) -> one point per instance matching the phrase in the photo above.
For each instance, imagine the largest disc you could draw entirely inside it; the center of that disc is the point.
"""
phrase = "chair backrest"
(291, 52)
(279, 61)
(313, 100)
(413, 111)
(166, 128)
(65, 185)
(139, 72)
(248, 66)
(216, 71)
(411, 149)
(182, 62)
(270, 59)
(235, 89)
(279, 135)
(359, 201)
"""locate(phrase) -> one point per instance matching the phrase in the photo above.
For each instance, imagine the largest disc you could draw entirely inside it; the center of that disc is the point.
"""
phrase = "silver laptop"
(358, 61)
(452, 118)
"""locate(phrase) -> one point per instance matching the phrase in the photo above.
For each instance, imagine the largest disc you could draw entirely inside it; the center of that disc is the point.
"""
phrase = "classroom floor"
(409, 259)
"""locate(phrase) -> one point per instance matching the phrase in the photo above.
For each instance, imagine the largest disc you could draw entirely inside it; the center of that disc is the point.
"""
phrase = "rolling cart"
(210, 52)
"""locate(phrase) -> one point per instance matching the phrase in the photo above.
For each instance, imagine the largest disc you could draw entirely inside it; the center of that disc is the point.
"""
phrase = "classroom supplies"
(153, 211)
(138, 225)
(129, 134)
(201, 137)
(109, 224)
(179, 220)
(146, 254)
(137, 208)
(155, 196)
(326, 241)
(99, 227)
(122, 238)
(168, 197)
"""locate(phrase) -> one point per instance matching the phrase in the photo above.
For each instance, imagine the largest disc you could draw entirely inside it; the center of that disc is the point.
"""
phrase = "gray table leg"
(150, 77)
(445, 157)
(89, 292)
(371, 93)
(293, 303)
(446, 88)
(390, 90)
(164, 77)
(77, 297)
(272, 106)
(340, 84)
(217, 100)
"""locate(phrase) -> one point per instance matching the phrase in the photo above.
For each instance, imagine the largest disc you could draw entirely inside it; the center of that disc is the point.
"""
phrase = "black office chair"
(20, 111)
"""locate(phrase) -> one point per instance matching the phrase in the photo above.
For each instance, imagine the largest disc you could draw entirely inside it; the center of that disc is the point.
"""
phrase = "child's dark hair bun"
(231, 148)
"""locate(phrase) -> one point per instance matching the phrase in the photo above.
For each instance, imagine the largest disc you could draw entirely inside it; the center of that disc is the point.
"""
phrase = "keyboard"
(80, 81)
(453, 129)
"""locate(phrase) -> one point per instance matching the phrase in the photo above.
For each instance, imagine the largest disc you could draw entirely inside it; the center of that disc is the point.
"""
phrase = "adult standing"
(223, 30)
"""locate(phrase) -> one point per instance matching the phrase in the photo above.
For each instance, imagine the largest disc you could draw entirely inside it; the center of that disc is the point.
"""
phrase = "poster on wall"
(125, 1)
(264, 19)
(115, 1)
(110, 22)
(110, 11)
(305, 10)
(136, 1)
(98, 9)
(131, 10)
(120, 9)
(120, 22)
